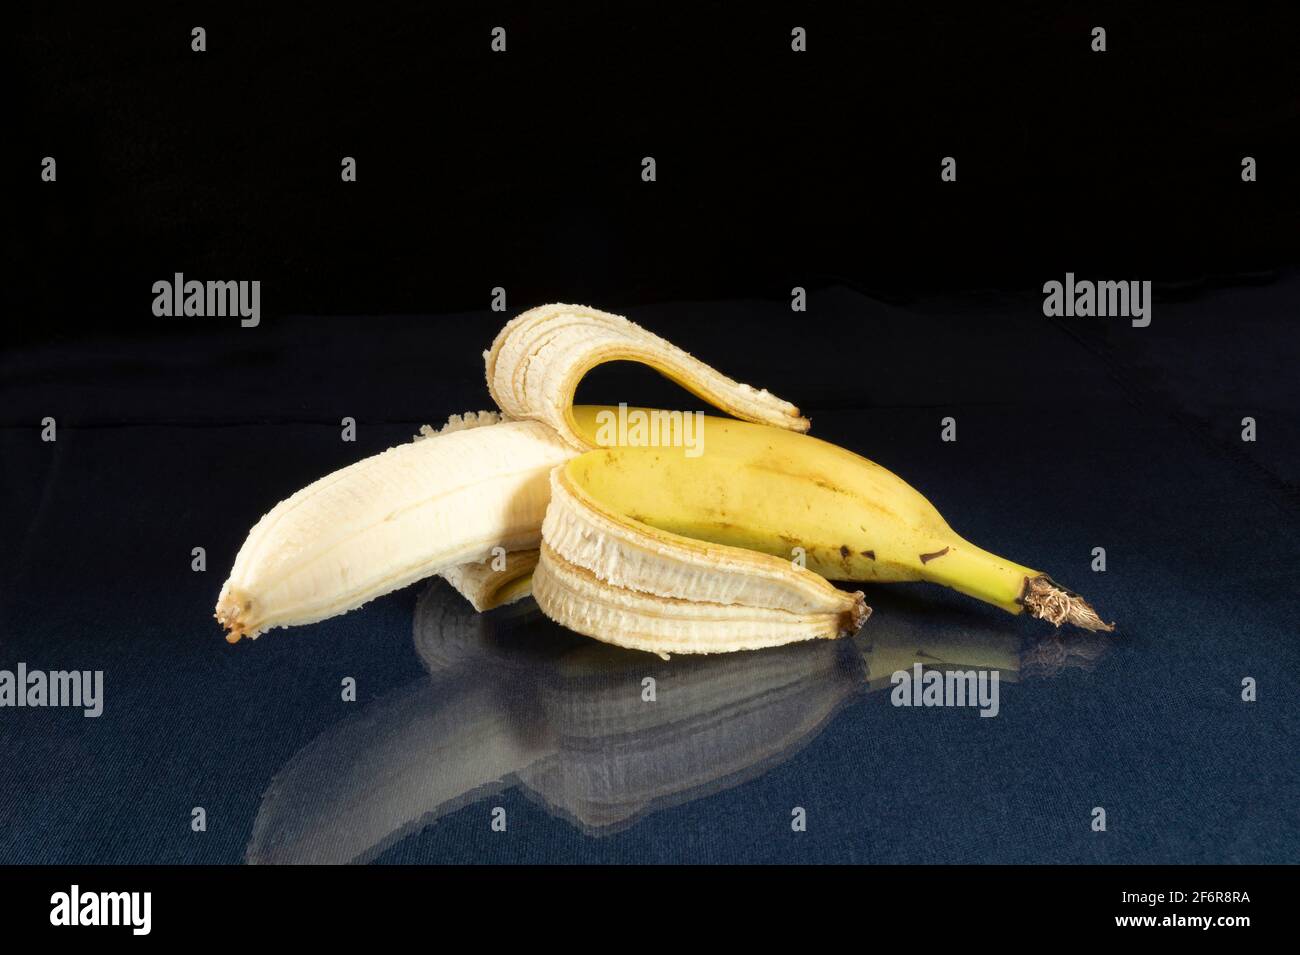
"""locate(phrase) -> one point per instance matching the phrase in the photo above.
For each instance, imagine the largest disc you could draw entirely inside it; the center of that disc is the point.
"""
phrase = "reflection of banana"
(945, 638)
(510, 640)
(392, 769)
(899, 647)
(1048, 655)
(716, 723)
(413, 756)
(516, 700)
(511, 691)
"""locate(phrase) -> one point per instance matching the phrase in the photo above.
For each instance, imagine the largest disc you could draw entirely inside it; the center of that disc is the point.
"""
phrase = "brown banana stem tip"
(851, 621)
(230, 615)
(1047, 600)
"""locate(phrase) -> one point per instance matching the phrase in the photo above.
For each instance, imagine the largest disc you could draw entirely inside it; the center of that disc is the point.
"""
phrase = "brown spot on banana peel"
(844, 551)
(1047, 600)
(926, 558)
(868, 554)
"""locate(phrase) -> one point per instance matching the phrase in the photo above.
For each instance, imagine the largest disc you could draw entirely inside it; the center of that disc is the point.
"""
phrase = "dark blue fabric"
(1071, 435)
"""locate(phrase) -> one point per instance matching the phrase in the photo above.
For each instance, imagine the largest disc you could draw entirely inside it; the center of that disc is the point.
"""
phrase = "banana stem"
(1048, 600)
(973, 571)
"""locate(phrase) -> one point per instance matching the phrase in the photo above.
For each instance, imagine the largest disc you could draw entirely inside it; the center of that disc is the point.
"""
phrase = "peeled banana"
(445, 499)
(643, 546)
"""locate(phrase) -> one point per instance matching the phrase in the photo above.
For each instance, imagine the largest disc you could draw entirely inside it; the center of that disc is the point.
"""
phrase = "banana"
(644, 547)
(538, 358)
(441, 504)
(632, 516)
(443, 500)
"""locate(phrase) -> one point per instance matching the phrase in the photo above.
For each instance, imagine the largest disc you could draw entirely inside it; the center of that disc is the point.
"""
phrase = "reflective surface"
(1138, 451)
(594, 734)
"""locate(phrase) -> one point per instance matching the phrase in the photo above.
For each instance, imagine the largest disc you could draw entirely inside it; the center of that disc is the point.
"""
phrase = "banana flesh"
(446, 499)
(487, 586)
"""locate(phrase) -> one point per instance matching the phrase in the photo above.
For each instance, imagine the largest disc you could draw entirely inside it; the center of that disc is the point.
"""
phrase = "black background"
(522, 170)
(346, 905)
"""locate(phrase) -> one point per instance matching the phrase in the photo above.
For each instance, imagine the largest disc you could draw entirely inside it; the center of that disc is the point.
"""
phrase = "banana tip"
(231, 607)
(1047, 600)
(856, 615)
